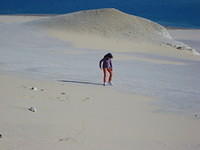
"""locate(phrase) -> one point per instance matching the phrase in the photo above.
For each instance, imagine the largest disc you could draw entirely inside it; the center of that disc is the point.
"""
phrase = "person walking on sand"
(106, 64)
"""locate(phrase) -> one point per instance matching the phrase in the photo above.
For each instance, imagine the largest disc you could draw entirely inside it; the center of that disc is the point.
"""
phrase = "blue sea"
(174, 13)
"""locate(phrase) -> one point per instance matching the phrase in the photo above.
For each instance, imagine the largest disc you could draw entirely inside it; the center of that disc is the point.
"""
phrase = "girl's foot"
(109, 83)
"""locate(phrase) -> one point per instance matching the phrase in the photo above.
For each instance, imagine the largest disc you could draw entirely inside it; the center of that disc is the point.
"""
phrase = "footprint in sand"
(68, 139)
(86, 99)
(34, 88)
(33, 96)
(33, 109)
(196, 116)
(23, 86)
(63, 99)
(63, 93)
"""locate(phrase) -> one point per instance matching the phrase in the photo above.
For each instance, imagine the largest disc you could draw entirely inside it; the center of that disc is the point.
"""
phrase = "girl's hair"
(109, 55)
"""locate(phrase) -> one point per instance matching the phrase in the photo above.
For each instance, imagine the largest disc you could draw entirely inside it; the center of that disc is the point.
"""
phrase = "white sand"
(75, 111)
(87, 117)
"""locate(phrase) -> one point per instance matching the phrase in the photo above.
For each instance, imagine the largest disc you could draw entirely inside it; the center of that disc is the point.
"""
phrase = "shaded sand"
(80, 116)
(93, 42)
(124, 57)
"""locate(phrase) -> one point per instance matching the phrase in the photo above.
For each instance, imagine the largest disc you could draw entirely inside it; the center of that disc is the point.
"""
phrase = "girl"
(107, 68)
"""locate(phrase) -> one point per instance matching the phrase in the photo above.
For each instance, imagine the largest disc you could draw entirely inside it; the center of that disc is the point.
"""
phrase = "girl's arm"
(100, 62)
(111, 63)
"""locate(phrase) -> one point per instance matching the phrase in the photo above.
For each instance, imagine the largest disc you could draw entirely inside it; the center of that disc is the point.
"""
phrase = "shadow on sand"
(80, 82)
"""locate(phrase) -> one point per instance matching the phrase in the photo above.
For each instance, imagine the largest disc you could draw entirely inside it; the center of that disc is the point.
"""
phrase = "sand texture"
(51, 92)
(78, 116)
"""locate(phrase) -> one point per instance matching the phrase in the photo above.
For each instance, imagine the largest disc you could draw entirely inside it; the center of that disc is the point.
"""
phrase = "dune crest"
(110, 23)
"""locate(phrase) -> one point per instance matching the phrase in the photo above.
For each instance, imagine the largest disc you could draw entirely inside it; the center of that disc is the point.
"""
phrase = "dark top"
(107, 63)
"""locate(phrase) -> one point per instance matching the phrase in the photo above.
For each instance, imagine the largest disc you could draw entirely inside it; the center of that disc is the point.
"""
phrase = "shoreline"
(180, 28)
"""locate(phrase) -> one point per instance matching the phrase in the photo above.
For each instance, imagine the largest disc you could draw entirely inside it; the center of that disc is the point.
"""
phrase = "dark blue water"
(175, 13)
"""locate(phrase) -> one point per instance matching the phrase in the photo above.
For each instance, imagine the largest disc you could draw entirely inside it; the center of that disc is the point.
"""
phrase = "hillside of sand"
(109, 23)
(108, 27)
(152, 105)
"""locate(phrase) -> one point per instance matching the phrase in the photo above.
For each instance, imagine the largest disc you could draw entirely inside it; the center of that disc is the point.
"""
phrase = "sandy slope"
(87, 117)
(110, 29)
(107, 23)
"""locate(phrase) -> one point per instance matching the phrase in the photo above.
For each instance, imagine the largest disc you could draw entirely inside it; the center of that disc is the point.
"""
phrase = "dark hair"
(109, 55)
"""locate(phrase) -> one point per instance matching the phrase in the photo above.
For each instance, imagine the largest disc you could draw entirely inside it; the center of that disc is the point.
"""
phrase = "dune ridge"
(110, 23)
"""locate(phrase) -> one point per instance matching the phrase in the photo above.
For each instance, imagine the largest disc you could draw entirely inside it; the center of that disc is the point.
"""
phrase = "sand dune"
(110, 23)
(108, 27)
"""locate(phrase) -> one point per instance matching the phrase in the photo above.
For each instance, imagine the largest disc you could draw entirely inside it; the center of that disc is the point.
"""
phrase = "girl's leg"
(104, 75)
(110, 74)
